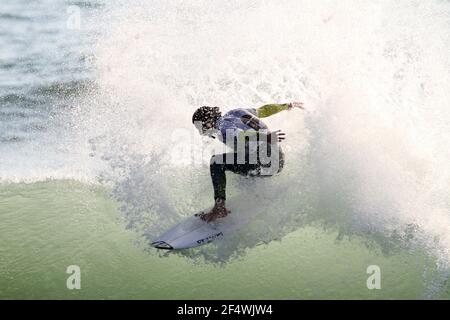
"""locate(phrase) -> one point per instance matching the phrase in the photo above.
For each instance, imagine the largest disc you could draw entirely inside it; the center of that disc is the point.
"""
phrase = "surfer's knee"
(216, 165)
(214, 162)
(219, 161)
(216, 159)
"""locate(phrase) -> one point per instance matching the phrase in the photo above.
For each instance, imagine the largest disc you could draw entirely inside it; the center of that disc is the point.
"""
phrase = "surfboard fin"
(162, 245)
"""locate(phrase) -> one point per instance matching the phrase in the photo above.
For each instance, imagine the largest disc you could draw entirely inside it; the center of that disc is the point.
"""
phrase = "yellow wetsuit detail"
(271, 109)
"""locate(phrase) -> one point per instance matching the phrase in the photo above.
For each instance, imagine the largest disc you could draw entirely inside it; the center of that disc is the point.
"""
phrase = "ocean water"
(98, 155)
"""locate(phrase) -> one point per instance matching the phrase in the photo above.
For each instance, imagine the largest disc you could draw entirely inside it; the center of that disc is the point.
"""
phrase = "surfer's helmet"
(205, 117)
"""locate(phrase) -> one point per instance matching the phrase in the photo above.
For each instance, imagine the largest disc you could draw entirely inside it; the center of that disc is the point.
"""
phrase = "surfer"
(256, 150)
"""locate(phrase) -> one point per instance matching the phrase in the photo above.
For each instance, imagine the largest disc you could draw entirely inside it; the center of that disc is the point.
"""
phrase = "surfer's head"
(205, 119)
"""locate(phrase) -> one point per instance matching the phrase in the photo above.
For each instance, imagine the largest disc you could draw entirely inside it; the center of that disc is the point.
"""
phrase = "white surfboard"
(194, 232)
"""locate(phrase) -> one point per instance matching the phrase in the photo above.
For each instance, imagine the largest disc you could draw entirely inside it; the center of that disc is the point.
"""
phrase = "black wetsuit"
(252, 163)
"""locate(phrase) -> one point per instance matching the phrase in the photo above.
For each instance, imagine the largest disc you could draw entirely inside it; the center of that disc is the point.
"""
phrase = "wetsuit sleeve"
(253, 111)
(271, 109)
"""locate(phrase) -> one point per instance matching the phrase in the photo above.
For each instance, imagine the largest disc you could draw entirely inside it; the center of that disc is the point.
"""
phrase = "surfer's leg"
(219, 179)
(219, 165)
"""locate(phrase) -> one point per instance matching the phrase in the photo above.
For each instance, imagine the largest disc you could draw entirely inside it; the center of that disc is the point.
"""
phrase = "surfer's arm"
(271, 109)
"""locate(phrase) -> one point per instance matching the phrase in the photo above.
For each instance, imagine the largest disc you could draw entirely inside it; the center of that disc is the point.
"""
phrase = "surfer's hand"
(296, 104)
(278, 136)
(218, 211)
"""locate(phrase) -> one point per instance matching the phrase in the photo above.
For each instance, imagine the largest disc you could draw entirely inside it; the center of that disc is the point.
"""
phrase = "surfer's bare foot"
(219, 211)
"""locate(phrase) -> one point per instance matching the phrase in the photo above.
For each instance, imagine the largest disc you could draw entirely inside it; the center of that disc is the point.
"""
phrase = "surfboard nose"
(162, 245)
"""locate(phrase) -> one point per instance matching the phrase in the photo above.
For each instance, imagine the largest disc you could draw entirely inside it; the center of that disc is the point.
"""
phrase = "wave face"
(369, 157)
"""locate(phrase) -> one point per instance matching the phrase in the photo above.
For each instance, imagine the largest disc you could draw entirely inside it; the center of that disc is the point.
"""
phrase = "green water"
(45, 227)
